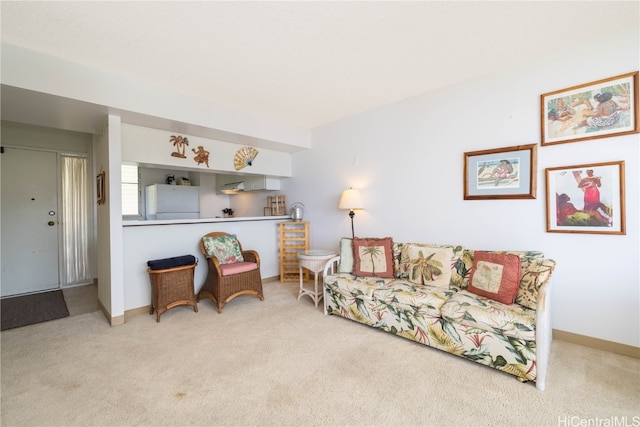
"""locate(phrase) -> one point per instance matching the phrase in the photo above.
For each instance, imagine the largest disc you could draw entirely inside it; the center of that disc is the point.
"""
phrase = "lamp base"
(351, 215)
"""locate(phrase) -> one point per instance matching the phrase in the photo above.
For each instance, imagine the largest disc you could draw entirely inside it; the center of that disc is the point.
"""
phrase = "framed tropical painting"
(600, 109)
(586, 198)
(501, 173)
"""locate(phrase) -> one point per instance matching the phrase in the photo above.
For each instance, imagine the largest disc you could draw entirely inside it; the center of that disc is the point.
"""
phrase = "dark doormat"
(29, 309)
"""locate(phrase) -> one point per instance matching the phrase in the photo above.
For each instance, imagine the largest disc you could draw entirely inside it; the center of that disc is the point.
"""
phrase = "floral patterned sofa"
(450, 298)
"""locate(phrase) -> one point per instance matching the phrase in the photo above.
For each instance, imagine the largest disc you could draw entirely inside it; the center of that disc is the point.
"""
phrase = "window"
(130, 191)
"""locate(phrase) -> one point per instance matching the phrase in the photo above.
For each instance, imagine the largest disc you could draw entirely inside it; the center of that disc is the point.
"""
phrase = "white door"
(29, 221)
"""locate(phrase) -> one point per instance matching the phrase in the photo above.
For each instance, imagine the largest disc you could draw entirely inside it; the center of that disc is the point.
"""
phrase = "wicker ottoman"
(172, 283)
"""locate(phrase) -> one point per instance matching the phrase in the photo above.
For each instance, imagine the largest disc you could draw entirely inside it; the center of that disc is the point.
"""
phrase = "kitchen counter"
(143, 222)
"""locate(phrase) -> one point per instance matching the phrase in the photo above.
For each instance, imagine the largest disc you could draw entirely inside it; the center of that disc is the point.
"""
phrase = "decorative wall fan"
(244, 157)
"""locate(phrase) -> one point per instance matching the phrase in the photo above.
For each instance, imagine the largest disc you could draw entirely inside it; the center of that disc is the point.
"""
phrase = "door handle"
(51, 223)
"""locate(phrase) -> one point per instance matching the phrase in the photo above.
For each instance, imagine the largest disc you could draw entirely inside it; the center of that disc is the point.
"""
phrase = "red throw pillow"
(373, 257)
(495, 276)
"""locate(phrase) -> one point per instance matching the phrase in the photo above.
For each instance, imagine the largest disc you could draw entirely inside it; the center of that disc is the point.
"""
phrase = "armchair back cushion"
(226, 248)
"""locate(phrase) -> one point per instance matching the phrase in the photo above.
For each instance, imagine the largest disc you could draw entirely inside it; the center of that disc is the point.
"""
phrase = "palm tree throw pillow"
(429, 265)
(373, 257)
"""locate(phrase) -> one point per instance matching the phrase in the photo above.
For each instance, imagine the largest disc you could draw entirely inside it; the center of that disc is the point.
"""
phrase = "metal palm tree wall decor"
(180, 142)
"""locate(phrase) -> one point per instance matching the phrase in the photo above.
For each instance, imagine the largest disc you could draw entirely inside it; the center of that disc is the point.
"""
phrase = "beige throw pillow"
(429, 265)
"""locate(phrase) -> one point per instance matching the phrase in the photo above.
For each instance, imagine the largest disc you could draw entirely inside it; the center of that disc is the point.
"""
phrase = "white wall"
(149, 242)
(153, 147)
(407, 160)
(17, 134)
(22, 68)
(109, 221)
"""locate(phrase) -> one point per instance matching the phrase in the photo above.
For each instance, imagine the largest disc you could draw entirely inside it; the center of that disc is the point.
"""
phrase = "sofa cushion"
(397, 252)
(356, 286)
(373, 257)
(345, 265)
(495, 276)
(429, 266)
(398, 293)
(535, 272)
(476, 311)
(410, 296)
(225, 248)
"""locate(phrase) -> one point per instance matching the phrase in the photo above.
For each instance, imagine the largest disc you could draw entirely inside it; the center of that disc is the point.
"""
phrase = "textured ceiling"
(307, 63)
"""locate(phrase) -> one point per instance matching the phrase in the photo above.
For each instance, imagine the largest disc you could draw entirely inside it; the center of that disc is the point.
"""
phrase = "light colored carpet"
(281, 362)
(81, 299)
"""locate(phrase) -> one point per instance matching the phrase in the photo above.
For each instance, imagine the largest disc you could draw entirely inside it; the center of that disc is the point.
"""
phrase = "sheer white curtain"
(75, 220)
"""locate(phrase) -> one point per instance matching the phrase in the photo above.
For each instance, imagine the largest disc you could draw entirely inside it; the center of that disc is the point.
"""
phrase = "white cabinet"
(261, 182)
(249, 182)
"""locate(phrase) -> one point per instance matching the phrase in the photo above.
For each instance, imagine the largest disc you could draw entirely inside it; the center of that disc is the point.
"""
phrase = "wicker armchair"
(222, 288)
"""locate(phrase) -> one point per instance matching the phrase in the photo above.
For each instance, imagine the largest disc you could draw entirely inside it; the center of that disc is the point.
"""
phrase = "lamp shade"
(350, 200)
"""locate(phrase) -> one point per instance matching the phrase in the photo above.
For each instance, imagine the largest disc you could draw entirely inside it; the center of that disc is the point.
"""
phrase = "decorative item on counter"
(180, 142)
(184, 181)
(297, 211)
(202, 155)
(228, 212)
(171, 179)
(244, 157)
(276, 205)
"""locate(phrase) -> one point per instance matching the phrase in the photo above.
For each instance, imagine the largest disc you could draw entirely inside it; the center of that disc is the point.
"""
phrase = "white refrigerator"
(172, 202)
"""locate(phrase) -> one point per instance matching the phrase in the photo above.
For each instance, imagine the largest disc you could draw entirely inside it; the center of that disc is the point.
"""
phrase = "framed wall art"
(501, 173)
(586, 198)
(100, 193)
(600, 109)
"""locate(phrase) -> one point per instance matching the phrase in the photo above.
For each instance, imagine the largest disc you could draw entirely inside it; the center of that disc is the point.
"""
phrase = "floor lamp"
(351, 200)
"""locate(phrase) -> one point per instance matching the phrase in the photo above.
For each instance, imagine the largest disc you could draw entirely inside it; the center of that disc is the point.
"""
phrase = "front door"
(29, 221)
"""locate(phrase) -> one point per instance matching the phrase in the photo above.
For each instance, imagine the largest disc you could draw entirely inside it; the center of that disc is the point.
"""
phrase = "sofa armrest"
(544, 335)
(331, 266)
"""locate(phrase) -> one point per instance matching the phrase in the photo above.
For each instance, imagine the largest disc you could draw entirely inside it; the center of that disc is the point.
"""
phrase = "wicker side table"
(313, 260)
(171, 287)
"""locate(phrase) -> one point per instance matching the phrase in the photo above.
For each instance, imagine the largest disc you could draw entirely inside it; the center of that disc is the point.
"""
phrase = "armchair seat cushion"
(237, 267)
